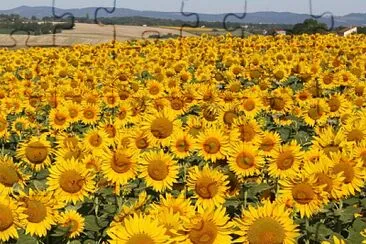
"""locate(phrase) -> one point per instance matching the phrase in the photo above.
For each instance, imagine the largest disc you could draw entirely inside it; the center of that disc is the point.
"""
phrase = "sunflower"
(316, 112)
(36, 152)
(270, 141)
(209, 186)
(354, 130)
(245, 160)
(330, 141)
(179, 204)
(270, 223)
(352, 170)
(59, 118)
(19, 125)
(92, 162)
(228, 113)
(159, 170)
(181, 144)
(74, 110)
(111, 128)
(195, 125)
(139, 229)
(11, 217)
(134, 139)
(155, 89)
(173, 223)
(96, 141)
(3, 126)
(72, 220)
(160, 127)
(90, 114)
(277, 102)
(322, 171)
(307, 196)
(111, 99)
(70, 180)
(208, 226)
(123, 114)
(338, 105)
(246, 130)
(67, 140)
(285, 160)
(212, 144)
(40, 207)
(119, 165)
(250, 104)
(10, 175)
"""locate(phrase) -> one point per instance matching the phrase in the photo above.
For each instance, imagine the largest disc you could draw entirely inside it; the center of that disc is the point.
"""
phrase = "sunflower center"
(363, 157)
(206, 187)
(212, 145)
(266, 231)
(204, 232)
(95, 140)
(334, 104)
(355, 135)
(161, 128)
(177, 104)
(73, 112)
(8, 175)
(285, 160)
(154, 90)
(158, 170)
(111, 130)
(36, 152)
(323, 179)
(303, 193)
(140, 239)
(347, 170)
(36, 211)
(60, 119)
(327, 79)
(247, 133)
(277, 103)
(229, 117)
(330, 148)
(18, 126)
(89, 114)
(249, 105)
(71, 181)
(6, 217)
(120, 162)
(267, 145)
(122, 115)
(209, 115)
(315, 112)
(245, 160)
(72, 224)
(141, 143)
(182, 145)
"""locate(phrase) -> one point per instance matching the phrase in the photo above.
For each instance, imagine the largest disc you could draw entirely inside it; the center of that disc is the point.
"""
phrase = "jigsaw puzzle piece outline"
(321, 15)
(224, 22)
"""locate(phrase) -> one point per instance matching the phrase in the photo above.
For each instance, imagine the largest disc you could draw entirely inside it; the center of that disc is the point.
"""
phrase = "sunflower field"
(196, 140)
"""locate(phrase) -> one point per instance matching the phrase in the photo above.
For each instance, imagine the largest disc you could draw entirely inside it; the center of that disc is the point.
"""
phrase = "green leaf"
(320, 231)
(351, 201)
(284, 133)
(347, 214)
(302, 137)
(75, 242)
(26, 239)
(89, 242)
(358, 225)
(355, 237)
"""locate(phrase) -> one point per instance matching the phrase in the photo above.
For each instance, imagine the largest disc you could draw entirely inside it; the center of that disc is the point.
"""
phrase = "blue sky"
(337, 7)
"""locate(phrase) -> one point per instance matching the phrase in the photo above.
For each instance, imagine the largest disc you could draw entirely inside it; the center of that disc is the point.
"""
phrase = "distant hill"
(255, 18)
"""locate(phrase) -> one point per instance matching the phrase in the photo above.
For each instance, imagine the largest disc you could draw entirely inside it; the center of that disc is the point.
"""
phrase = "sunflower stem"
(245, 197)
(307, 240)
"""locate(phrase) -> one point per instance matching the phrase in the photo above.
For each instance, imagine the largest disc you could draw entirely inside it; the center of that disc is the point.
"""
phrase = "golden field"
(197, 140)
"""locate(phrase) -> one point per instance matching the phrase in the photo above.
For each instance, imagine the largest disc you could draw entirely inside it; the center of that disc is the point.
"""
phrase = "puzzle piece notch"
(56, 27)
(96, 21)
(227, 28)
(321, 16)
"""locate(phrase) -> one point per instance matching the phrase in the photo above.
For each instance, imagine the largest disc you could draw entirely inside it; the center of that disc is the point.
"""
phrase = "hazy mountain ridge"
(256, 17)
